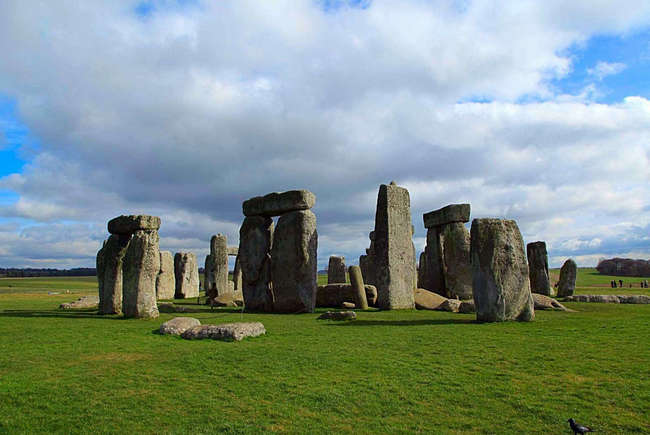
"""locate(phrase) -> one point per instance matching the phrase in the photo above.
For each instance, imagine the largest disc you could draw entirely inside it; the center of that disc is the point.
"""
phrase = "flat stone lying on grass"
(82, 302)
(338, 315)
(610, 299)
(427, 300)
(178, 325)
(451, 305)
(333, 295)
(228, 331)
(543, 302)
(234, 299)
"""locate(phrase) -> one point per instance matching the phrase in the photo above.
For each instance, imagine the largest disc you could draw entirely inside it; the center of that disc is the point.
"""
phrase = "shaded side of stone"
(433, 276)
(219, 264)
(186, 271)
(166, 281)
(101, 271)
(538, 268)
(457, 270)
(131, 224)
(447, 215)
(568, 274)
(111, 296)
(141, 267)
(255, 239)
(294, 263)
(336, 270)
(237, 275)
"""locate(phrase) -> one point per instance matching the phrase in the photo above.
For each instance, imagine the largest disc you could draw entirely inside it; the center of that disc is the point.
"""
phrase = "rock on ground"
(500, 272)
(610, 299)
(338, 315)
(178, 325)
(82, 302)
(276, 204)
(568, 273)
(226, 332)
(428, 300)
(451, 305)
(333, 295)
(543, 302)
(467, 307)
(255, 238)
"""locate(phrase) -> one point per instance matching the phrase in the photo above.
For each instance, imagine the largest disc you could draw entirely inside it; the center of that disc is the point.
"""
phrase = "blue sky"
(535, 111)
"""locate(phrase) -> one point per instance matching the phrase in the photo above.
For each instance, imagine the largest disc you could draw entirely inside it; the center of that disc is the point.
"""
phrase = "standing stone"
(499, 272)
(294, 262)
(101, 271)
(393, 249)
(356, 279)
(208, 277)
(166, 281)
(568, 273)
(434, 277)
(141, 267)
(456, 263)
(219, 263)
(110, 299)
(255, 239)
(538, 268)
(186, 270)
(336, 270)
(237, 275)
(422, 270)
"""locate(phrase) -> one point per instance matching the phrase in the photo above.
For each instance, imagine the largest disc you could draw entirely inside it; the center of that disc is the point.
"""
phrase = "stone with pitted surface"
(225, 332)
(276, 203)
(165, 281)
(338, 315)
(186, 271)
(538, 268)
(336, 269)
(178, 325)
(131, 224)
(111, 290)
(333, 295)
(568, 273)
(447, 215)
(255, 238)
(141, 267)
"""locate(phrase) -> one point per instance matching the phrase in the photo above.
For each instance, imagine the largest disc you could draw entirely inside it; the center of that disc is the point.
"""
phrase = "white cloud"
(604, 69)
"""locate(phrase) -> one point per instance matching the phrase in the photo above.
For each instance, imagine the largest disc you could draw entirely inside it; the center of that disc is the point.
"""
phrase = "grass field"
(388, 372)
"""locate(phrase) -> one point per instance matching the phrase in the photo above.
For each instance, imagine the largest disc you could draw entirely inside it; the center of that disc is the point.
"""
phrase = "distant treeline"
(29, 272)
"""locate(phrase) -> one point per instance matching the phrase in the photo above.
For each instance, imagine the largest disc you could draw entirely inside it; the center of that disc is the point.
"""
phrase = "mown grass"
(388, 372)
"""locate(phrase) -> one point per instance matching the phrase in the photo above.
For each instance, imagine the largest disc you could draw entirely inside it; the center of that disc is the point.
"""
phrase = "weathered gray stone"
(166, 281)
(178, 325)
(218, 274)
(433, 276)
(226, 332)
(499, 272)
(457, 269)
(170, 307)
(568, 274)
(255, 239)
(294, 263)
(538, 268)
(610, 299)
(237, 275)
(467, 307)
(447, 215)
(422, 270)
(338, 315)
(358, 288)
(451, 305)
(82, 302)
(336, 270)
(110, 298)
(186, 270)
(427, 300)
(333, 295)
(367, 268)
(634, 299)
(101, 271)
(131, 224)
(276, 204)
(233, 251)
(141, 267)
(543, 302)
(208, 278)
(234, 299)
(393, 250)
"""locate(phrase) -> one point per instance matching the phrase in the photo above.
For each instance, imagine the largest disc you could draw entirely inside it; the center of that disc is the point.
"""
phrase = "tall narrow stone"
(434, 278)
(367, 269)
(457, 270)
(255, 239)
(208, 277)
(393, 250)
(538, 268)
(356, 279)
(499, 272)
(568, 273)
(110, 299)
(294, 262)
(141, 267)
(336, 270)
(219, 263)
(237, 275)
(101, 271)
(186, 271)
(166, 281)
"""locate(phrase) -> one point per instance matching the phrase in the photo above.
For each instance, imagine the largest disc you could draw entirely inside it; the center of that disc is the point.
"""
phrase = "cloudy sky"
(537, 111)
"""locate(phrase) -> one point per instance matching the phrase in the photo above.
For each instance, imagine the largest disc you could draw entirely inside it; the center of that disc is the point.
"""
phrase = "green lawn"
(589, 281)
(388, 372)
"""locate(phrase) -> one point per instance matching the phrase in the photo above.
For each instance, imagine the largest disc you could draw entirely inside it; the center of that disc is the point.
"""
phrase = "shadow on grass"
(69, 314)
(404, 322)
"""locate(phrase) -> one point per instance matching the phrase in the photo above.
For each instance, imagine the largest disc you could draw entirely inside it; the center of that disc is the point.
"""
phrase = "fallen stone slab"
(610, 299)
(451, 305)
(467, 307)
(131, 224)
(178, 325)
(226, 332)
(446, 215)
(234, 299)
(333, 295)
(428, 300)
(338, 315)
(634, 299)
(277, 203)
(169, 307)
(543, 302)
(82, 302)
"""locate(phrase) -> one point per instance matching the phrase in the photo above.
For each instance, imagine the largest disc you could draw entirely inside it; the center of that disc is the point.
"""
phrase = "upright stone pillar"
(356, 280)
(255, 238)
(99, 264)
(141, 267)
(237, 275)
(294, 262)
(456, 263)
(367, 262)
(166, 281)
(336, 270)
(110, 297)
(538, 268)
(186, 270)
(219, 263)
(208, 278)
(568, 273)
(499, 272)
(393, 249)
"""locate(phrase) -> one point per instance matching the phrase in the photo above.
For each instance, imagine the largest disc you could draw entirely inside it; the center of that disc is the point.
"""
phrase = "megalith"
(356, 280)
(237, 275)
(394, 259)
(218, 267)
(568, 274)
(501, 287)
(447, 269)
(166, 281)
(277, 204)
(186, 271)
(336, 270)
(538, 268)
(255, 238)
(367, 262)
(101, 271)
(141, 267)
(110, 298)
(294, 262)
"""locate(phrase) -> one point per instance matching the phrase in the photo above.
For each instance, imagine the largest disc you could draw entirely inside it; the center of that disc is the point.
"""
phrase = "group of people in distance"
(642, 284)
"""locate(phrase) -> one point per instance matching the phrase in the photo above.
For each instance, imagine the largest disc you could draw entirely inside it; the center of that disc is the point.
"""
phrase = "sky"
(527, 110)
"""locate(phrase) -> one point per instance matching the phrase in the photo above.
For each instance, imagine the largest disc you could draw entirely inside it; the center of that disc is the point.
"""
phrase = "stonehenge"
(538, 268)
(166, 279)
(186, 270)
(367, 262)
(279, 265)
(215, 274)
(336, 270)
(567, 284)
(356, 279)
(394, 257)
(444, 266)
(500, 283)
(109, 273)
